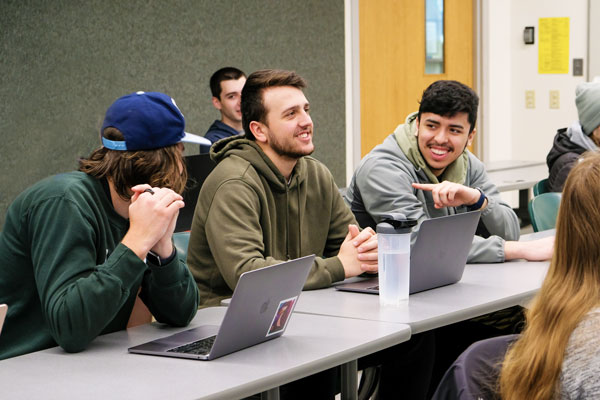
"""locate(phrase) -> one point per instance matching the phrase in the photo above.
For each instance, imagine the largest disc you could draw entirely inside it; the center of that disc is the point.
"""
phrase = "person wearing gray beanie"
(587, 100)
(583, 135)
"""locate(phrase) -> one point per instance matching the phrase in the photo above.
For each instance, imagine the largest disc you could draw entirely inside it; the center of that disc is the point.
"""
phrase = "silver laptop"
(260, 310)
(3, 310)
(437, 258)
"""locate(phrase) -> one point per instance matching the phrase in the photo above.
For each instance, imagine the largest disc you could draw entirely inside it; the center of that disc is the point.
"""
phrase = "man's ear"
(217, 103)
(258, 130)
(417, 125)
(471, 136)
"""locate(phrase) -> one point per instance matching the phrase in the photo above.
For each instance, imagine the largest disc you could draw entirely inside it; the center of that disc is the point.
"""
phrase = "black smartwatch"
(158, 261)
(479, 203)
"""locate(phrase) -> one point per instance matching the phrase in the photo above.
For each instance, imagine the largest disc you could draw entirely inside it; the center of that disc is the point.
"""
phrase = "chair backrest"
(198, 166)
(181, 241)
(475, 373)
(543, 210)
(540, 187)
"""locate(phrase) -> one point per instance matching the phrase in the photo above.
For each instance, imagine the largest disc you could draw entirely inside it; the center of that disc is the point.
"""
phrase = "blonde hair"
(163, 167)
(532, 366)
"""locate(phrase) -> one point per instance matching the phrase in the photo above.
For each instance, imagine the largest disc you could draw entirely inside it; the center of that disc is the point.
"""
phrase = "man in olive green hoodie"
(267, 201)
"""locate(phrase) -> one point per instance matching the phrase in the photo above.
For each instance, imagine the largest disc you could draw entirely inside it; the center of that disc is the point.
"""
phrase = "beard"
(289, 150)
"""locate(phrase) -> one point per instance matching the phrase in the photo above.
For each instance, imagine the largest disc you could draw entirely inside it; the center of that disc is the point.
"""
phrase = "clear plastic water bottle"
(393, 241)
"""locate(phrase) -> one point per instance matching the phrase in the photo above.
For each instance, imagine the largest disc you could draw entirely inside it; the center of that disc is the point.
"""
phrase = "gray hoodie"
(382, 184)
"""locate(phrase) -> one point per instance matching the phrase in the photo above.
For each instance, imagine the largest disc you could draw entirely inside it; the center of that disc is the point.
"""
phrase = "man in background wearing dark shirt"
(226, 86)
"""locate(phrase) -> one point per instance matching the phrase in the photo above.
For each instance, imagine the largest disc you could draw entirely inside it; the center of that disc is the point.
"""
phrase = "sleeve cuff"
(171, 272)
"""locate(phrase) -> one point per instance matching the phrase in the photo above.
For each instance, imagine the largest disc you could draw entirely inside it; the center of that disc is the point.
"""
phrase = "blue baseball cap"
(147, 120)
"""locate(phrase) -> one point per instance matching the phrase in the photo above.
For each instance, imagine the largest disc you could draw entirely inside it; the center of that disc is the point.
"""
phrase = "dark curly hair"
(447, 98)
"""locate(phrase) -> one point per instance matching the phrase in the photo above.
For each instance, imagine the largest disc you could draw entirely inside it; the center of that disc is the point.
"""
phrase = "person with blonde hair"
(558, 353)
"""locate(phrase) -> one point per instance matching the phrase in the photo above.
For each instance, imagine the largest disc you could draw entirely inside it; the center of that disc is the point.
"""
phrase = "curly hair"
(447, 98)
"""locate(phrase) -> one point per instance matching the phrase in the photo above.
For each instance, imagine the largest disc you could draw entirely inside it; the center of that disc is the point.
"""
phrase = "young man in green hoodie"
(78, 248)
(268, 201)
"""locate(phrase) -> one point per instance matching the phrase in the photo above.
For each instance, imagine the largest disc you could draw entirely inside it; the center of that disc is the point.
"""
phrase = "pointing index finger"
(424, 186)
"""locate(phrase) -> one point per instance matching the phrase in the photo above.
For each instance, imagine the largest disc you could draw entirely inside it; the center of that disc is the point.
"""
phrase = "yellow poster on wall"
(553, 47)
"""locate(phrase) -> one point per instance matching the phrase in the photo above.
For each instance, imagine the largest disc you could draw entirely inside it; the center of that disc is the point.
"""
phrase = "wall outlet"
(529, 99)
(555, 99)
(578, 67)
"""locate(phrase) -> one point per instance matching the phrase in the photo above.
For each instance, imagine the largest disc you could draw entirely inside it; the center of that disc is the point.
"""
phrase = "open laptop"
(3, 310)
(259, 310)
(438, 256)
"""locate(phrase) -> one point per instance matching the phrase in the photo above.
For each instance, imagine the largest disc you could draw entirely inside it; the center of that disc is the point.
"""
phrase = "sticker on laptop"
(282, 315)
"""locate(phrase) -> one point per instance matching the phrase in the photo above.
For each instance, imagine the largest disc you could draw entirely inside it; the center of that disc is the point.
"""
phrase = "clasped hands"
(152, 218)
(358, 252)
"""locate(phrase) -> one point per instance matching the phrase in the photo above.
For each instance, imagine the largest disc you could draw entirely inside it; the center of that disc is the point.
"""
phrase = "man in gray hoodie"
(424, 170)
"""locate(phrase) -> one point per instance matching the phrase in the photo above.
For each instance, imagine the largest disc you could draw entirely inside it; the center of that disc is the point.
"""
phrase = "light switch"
(554, 99)
(529, 99)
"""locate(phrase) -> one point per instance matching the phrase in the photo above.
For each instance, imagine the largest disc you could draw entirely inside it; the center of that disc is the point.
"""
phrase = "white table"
(516, 175)
(311, 344)
(484, 288)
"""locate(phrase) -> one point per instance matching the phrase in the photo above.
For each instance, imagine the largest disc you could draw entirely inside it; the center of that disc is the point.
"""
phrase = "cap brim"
(191, 138)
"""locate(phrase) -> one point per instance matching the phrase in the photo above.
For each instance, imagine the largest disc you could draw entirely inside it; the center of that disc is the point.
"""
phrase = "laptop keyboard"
(201, 347)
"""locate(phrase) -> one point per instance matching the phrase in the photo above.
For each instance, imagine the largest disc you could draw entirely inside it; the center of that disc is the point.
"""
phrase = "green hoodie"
(248, 217)
(67, 278)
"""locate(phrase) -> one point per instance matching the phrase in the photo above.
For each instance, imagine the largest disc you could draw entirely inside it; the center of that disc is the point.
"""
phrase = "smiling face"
(443, 139)
(287, 132)
(229, 101)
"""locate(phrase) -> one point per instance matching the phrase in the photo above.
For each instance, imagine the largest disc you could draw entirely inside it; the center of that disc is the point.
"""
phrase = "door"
(392, 60)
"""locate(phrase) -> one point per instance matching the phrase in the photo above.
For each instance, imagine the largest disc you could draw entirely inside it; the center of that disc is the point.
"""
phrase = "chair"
(540, 187)
(198, 166)
(543, 210)
(474, 374)
(181, 241)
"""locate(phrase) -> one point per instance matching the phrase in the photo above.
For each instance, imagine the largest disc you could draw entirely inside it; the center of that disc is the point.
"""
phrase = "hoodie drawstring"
(287, 222)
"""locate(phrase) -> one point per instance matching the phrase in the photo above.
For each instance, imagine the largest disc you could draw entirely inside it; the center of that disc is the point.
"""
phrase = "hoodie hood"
(568, 140)
(249, 150)
(579, 137)
(406, 137)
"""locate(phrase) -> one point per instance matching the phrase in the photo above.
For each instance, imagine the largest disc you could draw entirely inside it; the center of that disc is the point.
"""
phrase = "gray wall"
(62, 63)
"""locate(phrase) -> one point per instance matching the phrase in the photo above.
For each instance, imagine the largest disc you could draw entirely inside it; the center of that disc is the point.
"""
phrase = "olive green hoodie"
(248, 217)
